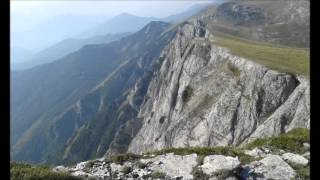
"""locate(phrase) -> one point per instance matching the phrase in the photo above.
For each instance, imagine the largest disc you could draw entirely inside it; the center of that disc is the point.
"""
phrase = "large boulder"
(216, 163)
(271, 167)
(173, 165)
(295, 158)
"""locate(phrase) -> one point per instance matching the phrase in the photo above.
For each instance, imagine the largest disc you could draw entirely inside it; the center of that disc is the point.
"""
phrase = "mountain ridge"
(127, 48)
(64, 48)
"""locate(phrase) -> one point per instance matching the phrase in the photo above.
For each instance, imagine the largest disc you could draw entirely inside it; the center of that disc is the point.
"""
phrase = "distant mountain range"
(61, 49)
(111, 30)
(56, 87)
(52, 31)
(130, 23)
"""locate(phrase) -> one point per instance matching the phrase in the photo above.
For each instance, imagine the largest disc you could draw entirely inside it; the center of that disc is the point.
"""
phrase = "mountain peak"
(155, 26)
(126, 15)
(157, 23)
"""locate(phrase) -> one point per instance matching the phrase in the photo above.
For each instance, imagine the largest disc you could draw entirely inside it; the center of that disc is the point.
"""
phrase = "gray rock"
(173, 165)
(60, 169)
(271, 167)
(80, 166)
(306, 155)
(281, 151)
(306, 145)
(115, 167)
(295, 158)
(81, 173)
(216, 163)
(256, 152)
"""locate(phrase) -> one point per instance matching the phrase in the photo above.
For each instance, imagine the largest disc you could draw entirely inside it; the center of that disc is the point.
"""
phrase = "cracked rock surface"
(204, 96)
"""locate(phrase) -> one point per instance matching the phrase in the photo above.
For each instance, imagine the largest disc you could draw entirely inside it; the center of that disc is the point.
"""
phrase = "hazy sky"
(25, 14)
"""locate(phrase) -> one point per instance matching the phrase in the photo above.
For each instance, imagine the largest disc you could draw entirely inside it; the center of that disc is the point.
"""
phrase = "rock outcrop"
(205, 96)
(217, 163)
(271, 167)
(173, 165)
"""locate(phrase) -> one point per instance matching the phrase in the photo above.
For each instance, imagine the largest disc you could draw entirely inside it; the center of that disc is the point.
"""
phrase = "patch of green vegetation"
(198, 174)
(225, 150)
(186, 94)
(283, 59)
(19, 171)
(158, 175)
(291, 141)
(200, 159)
(303, 172)
(141, 165)
(121, 158)
(224, 174)
(126, 170)
(90, 164)
(236, 71)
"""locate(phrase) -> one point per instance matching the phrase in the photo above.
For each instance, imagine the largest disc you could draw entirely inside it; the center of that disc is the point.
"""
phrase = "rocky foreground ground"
(282, 157)
(257, 163)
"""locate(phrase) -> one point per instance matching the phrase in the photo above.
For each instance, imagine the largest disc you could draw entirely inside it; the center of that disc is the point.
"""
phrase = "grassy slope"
(20, 171)
(280, 58)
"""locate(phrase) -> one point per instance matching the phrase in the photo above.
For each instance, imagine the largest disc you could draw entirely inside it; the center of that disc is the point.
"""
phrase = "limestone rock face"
(271, 167)
(215, 163)
(204, 96)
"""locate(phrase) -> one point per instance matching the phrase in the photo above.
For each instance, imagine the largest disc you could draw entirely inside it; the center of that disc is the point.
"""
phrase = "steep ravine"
(205, 96)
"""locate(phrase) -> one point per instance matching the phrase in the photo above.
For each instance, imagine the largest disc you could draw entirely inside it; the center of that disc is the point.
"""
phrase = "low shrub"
(141, 165)
(126, 170)
(158, 175)
(198, 174)
(121, 158)
(224, 174)
(19, 171)
(90, 164)
(155, 175)
(236, 71)
(303, 172)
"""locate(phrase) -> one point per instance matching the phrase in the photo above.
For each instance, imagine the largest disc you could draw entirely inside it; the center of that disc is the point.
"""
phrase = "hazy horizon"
(37, 25)
(26, 15)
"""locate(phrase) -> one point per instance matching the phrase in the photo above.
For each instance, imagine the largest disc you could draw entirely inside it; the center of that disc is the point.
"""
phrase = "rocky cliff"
(203, 95)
